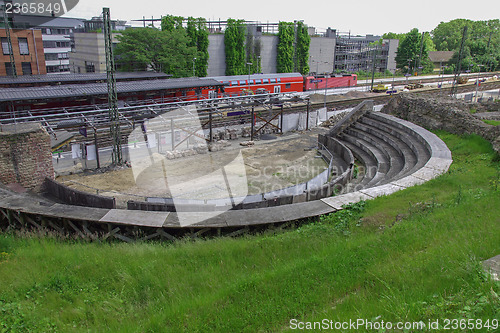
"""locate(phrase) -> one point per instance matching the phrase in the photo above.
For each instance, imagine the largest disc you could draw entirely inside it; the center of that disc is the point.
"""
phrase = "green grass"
(412, 256)
(492, 122)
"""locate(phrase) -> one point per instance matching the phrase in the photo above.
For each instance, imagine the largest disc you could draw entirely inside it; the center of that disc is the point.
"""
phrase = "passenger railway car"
(282, 82)
(272, 83)
(342, 80)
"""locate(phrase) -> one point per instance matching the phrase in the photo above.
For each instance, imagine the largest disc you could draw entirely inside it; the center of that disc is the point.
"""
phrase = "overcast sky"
(357, 16)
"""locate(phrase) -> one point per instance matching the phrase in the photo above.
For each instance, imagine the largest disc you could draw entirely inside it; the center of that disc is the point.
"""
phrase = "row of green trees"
(175, 49)
(293, 48)
(481, 50)
(482, 44)
(234, 46)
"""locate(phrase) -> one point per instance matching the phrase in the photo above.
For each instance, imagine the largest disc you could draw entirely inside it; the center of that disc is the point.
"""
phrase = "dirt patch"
(319, 98)
(267, 166)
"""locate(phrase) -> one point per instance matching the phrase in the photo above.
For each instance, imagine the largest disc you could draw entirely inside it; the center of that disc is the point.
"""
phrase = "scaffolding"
(354, 54)
(114, 117)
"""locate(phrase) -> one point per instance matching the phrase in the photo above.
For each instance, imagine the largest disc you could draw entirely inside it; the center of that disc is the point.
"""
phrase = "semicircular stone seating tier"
(391, 154)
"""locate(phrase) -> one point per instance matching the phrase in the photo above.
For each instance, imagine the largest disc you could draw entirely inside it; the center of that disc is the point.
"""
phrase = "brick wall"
(35, 56)
(25, 155)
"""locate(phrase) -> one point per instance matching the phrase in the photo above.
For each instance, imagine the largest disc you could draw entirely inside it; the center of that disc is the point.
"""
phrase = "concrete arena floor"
(269, 165)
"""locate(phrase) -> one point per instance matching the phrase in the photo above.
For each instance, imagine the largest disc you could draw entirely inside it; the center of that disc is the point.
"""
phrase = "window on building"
(23, 46)
(51, 56)
(56, 56)
(49, 44)
(62, 44)
(26, 67)
(5, 46)
(89, 67)
(58, 69)
(8, 69)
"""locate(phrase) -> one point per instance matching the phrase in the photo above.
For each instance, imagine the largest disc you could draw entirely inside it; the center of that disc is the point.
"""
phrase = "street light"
(249, 64)
(326, 86)
(194, 59)
(477, 82)
(441, 71)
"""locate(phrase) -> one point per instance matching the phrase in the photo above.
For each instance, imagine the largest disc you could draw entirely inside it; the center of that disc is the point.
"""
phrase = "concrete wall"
(216, 55)
(321, 54)
(25, 155)
(269, 53)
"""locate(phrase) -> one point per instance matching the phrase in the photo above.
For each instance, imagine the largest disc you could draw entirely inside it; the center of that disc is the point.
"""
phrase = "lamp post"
(249, 64)
(194, 59)
(326, 86)
(441, 71)
(392, 86)
(477, 81)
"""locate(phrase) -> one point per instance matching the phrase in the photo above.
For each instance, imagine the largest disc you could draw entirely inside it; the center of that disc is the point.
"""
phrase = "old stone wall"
(25, 155)
(443, 113)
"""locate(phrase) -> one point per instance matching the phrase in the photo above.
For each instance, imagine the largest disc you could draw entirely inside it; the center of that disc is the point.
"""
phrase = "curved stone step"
(401, 128)
(387, 145)
(411, 139)
(368, 163)
(407, 158)
(382, 162)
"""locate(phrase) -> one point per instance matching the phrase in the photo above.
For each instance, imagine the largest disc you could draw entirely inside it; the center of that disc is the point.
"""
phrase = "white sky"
(358, 16)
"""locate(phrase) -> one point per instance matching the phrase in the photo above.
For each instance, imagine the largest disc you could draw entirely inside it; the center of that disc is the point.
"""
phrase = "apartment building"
(26, 47)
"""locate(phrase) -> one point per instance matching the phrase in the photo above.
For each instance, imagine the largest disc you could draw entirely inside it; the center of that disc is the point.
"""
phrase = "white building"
(57, 43)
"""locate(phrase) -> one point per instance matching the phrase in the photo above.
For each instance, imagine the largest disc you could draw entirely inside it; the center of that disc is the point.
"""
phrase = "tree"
(170, 23)
(447, 36)
(302, 49)
(161, 51)
(234, 46)
(482, 46)
(413, 53)
(198, 37)
(286, 37)
(197, 33)
(408, 51)
(393, 35)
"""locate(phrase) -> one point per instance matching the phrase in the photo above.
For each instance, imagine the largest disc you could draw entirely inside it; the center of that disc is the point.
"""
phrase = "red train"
(47, 94)
(284, 82)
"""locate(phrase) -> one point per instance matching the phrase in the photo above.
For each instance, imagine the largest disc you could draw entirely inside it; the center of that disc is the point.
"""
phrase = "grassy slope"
(411, 256)
(492, 122)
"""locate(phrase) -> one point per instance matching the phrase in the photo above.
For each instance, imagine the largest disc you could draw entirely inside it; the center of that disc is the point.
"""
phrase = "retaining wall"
(74, 197)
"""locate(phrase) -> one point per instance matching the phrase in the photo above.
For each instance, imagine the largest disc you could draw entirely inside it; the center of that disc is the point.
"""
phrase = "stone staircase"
(386, 150)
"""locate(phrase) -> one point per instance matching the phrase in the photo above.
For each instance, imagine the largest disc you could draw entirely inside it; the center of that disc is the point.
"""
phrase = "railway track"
(98, 118)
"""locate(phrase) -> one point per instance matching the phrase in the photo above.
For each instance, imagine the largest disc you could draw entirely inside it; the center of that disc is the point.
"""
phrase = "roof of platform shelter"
(94, 89)
(87, 77)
